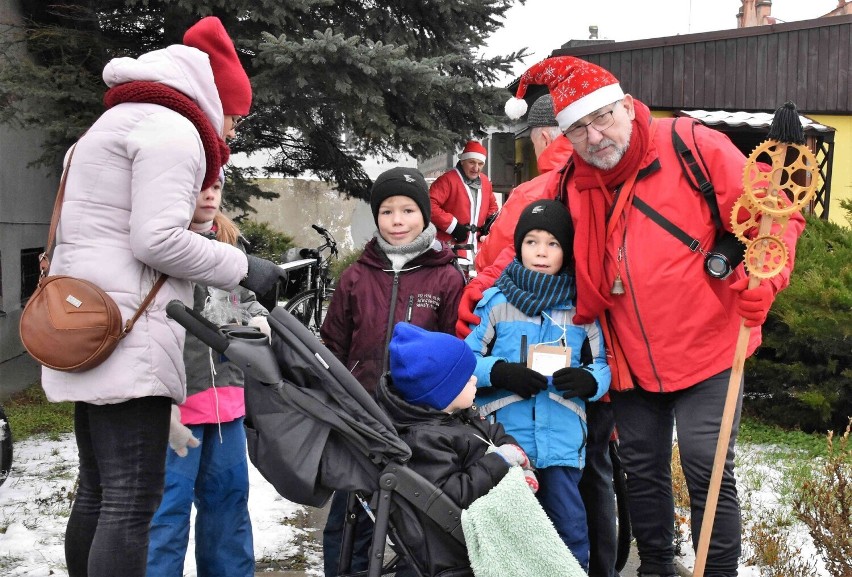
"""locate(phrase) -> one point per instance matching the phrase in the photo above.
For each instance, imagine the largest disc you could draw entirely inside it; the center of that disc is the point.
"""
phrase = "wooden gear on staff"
(759, 218)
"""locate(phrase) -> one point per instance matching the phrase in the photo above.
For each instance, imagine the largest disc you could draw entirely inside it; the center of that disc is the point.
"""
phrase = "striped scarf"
(532, 292)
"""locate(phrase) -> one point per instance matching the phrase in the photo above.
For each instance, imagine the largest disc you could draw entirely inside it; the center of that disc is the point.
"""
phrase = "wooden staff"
(785, 132)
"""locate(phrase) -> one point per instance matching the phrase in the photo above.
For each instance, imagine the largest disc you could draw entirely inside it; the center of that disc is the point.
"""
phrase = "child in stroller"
(428, 395)
(312, 429)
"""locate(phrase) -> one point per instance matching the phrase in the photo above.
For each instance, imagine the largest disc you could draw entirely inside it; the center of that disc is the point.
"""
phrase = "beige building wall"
(305, 202)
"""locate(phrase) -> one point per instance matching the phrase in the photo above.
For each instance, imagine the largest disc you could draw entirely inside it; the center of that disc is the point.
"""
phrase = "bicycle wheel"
(619, 481)
(5, 447)
(303, 306)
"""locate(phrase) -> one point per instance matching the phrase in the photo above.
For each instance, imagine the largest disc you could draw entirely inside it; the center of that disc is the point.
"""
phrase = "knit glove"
(753, 304)
(461, 231)
(513, 455)
(262, 275)
(575, 382)
(180, 436)
(470, 297)
(532, 482)
(519, 379)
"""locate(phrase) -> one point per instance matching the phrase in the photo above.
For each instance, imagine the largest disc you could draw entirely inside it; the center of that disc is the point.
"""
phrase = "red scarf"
(589, 205)
(216, 152)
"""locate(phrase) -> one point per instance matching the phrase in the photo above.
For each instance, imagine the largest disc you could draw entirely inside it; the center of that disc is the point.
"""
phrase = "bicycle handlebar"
(329, 240)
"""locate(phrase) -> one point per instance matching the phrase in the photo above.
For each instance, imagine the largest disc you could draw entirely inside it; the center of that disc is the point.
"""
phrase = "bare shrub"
(824, 504)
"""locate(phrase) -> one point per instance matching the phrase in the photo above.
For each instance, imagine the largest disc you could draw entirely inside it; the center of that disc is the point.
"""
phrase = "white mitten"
(263, 324)
(180, 436)
(513, 455)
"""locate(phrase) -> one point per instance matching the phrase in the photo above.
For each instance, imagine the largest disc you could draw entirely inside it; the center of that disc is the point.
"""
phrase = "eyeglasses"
(600, 123)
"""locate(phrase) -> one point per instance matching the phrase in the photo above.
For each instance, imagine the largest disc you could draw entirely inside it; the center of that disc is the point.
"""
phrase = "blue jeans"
(597, 491)
(645, 426)
(559, 495)
(332, 536)
(122, 467)
(214, 477)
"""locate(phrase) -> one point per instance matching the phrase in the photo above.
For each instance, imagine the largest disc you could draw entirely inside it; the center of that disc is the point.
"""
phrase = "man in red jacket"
(462, 199)
(671, 327)
(552, 150)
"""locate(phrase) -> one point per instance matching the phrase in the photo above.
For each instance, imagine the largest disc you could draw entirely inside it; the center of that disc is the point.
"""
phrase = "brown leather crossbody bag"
(69, 324)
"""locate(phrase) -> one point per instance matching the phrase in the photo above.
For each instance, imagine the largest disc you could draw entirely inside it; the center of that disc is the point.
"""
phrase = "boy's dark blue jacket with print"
(370, 299)
(449, 450)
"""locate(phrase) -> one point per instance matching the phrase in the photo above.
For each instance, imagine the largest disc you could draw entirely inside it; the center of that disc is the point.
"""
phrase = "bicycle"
(464, 264)
(310, 304)
(5, 446)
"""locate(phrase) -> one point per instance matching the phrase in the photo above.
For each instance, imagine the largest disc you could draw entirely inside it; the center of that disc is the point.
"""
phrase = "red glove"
(753, 304)
(532, 482)
(470, 297)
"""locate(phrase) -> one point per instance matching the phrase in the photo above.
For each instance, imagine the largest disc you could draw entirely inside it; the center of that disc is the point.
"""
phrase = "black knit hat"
(553, 217)
(541, 112)
(401, 181)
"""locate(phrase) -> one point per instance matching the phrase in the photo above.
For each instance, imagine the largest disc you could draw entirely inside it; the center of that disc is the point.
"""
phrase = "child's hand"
(180, 436)
(532, 482)
(575, 382)
(261, 323)
(513, 455)
(517, 378)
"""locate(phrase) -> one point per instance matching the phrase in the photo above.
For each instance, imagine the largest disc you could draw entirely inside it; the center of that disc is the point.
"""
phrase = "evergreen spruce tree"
(334, 80)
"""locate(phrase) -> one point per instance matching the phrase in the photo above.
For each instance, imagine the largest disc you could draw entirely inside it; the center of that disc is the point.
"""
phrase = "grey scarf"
(400, 255)
(475, 183)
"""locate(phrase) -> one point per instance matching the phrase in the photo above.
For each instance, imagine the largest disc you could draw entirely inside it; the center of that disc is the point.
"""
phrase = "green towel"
(508, 533)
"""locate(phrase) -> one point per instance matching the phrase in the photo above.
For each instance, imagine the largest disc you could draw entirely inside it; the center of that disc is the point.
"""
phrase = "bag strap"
(44, 259)
(128, 326)
(692, 243)
(689, 164)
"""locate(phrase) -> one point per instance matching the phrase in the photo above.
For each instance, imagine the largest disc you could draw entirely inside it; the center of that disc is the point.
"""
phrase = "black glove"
(575, 382)
(461, 231)
(516, 377)
(262, 275)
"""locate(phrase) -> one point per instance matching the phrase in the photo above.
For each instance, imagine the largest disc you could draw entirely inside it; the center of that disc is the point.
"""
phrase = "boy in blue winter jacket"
(527, 322)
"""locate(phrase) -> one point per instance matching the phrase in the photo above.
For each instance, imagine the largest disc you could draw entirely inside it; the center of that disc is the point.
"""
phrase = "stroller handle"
(192, 321)
(246, 347)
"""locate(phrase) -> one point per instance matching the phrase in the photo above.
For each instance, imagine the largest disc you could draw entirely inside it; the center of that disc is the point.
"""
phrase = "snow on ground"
(760, 486)
(34, 506)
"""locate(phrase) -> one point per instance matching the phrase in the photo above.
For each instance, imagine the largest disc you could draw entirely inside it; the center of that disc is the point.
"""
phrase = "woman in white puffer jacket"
(129, 198)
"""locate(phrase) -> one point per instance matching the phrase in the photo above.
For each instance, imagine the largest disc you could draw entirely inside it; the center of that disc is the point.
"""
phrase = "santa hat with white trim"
(576, 86)
(475, 150)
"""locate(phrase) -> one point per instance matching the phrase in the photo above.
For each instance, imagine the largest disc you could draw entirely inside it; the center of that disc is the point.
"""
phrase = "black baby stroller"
(312, 429)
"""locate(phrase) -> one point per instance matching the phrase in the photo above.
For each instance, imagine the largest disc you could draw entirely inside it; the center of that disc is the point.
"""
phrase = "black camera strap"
(689, 165)
(672, 228)
(694, 170)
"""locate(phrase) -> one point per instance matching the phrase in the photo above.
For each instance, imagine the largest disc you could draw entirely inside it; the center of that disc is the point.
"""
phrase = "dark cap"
(552, 216)
(541, 112)
(401, 181)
